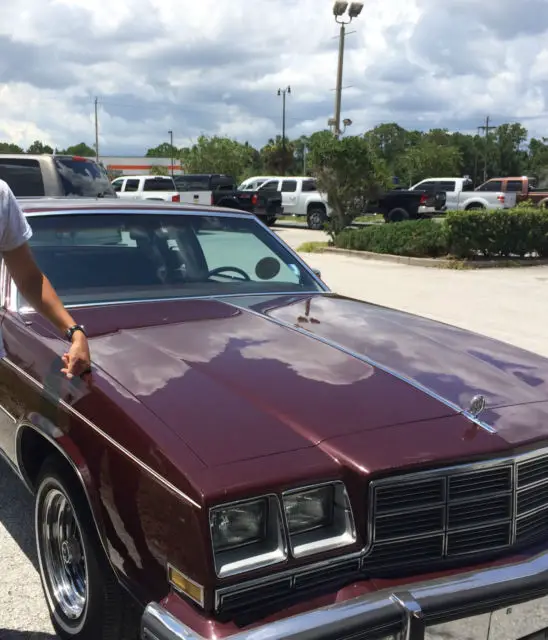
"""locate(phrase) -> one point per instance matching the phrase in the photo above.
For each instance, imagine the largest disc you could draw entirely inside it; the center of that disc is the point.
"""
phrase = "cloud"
(211, 67)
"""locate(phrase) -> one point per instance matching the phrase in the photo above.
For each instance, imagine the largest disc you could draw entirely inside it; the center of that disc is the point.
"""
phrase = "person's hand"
(77, 359)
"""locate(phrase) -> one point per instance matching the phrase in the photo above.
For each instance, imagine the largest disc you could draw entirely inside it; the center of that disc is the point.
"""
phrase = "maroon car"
(258, 458)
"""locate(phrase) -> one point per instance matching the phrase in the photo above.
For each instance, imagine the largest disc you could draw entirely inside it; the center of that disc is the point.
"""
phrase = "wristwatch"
(70, 332)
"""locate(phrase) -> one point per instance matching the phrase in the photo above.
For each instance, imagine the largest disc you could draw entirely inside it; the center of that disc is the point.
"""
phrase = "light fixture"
(355, 9)
(339, 8)
(347, 122)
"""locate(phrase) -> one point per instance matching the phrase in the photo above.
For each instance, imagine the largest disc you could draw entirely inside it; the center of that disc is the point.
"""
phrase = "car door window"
(447, 186)
(271, 185)
(309, 186)
(132, 184)
(515, 186)
(289, 186)
(117, 185)
(427, 186)
(492, 185)
(24, 176)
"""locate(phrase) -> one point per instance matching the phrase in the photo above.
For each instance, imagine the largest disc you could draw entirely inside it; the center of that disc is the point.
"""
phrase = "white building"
(133, 165)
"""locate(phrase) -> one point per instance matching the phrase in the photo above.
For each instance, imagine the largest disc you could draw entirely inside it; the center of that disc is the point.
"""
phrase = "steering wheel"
(219, 270)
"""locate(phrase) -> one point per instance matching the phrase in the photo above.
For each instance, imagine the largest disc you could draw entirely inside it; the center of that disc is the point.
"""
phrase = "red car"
(258, 458)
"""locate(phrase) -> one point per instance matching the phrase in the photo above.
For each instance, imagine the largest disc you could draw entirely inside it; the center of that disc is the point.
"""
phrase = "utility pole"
(96, 130)
(283, 92)
(339, 11)
(171, 150)
(338, 90)
(486, 128)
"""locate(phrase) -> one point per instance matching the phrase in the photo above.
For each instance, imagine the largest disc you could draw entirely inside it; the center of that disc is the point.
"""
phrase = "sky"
(214, 67)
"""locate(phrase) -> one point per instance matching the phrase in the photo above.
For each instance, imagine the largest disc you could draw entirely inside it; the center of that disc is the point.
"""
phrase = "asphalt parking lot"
(509, 304)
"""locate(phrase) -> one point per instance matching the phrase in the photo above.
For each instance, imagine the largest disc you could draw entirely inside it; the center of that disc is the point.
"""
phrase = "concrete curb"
(439, 263)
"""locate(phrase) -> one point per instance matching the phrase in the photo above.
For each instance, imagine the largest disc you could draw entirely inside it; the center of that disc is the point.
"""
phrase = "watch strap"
(72, 330)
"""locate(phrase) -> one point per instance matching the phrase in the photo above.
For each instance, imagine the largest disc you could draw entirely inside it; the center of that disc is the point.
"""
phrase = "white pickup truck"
(300, 197)
(461, 195)
(146, 188)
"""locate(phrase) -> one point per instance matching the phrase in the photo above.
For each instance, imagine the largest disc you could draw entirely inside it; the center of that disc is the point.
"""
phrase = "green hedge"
(421, 238)
(500, 233)
(503, 233)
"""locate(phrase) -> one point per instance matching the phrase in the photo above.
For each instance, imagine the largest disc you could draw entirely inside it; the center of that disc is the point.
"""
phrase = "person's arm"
(15, 233)
(38, 292)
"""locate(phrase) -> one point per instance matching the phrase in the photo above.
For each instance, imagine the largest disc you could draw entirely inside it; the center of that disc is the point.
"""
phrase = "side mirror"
(317, 273)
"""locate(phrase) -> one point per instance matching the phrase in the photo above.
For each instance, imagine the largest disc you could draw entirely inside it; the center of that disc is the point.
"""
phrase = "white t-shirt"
(14, 229)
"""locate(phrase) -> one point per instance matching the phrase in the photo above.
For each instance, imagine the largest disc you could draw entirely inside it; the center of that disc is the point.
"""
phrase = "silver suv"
(35, 176)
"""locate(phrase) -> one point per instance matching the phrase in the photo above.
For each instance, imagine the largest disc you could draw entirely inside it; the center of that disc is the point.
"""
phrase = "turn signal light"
(185, 585)
(176, 198)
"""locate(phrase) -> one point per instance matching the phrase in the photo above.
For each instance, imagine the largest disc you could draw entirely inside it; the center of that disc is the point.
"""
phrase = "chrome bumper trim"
(406, 613)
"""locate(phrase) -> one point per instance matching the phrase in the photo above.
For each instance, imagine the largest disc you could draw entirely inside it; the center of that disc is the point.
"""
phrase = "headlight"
(319, 519)
(235, 526)
(247, 535)
(310, 509)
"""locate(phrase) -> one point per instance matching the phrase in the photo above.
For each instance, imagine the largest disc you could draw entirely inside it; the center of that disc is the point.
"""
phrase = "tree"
(81, 149)
(10, 147)
(538, 160)
(164, 150)
(218, 154)
(39, 147)
(349, 172)
(276, 159)
(429, 160)
(158, 170)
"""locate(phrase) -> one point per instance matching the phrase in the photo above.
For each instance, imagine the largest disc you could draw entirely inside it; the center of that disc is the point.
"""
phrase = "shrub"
(500, 233)
(422, 238)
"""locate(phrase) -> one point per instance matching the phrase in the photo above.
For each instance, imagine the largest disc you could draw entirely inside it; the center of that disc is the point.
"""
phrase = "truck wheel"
(316, 218)
(270, 220)
(474, 207)
(83, 595)
(397, 215)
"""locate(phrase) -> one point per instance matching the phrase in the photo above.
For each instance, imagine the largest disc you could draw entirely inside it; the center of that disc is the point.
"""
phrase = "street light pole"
(339, 11)
(338, 90)
(171, 150)
(283, 93)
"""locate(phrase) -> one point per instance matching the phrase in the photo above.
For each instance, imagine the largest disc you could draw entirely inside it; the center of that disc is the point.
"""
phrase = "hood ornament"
(477, 406)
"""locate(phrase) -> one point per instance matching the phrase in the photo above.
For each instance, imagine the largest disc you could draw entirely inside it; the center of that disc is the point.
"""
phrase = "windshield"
(111, 257)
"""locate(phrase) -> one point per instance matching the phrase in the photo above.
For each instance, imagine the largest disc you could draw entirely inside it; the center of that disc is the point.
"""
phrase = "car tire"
(397, 215)
(316, 218)
(83, 595)
(270, 220)
(474, 207)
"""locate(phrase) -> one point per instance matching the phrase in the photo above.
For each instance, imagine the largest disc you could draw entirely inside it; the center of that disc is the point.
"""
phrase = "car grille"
(418, 521)
(422, 518)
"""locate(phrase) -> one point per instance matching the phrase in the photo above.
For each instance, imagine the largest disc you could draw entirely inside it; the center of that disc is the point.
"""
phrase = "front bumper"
(501, 603)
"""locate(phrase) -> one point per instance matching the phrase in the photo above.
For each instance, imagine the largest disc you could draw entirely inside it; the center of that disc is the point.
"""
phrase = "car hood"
(246, 378)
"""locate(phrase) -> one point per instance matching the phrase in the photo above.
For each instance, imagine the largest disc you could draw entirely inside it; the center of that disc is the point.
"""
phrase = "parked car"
(43, 175)
(220, 190)
(300, 197)
(146, 188)
(444, 193)
(524, 188)
(460, 196)
(207, 189)
(257, 457)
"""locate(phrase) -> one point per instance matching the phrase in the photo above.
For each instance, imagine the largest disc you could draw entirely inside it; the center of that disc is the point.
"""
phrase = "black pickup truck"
(398, 205)
(220, 190)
